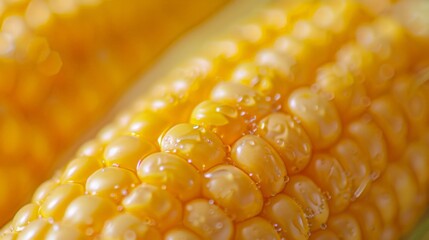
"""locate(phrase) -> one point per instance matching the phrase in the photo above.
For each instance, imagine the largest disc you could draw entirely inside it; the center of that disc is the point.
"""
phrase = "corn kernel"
(255, 228)
(207, 220)
(154, 204)
(317, 115)
(111, 182)
(127, 151)
(181, 233)
(202, 148)
(288, 138)
(89, 213)
(127, 226)
(295, 226)
(172, 173)
(234, 191)
(258, 159)
(57, 201)
(308, 195)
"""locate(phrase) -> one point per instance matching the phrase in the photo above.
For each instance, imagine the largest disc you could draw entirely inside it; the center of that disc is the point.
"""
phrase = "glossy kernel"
(258, 159)
(288, 138)
(345, 226)
(154, 204)
(234, 191)
(128, 226)
(64, 232)
(369, 220)
(172, 173)
(295, 225)
(317, 115)
(43, 190)
(181, 234)
(79, 169)
(391, 120)
(355, 163)
(127, 151)
(201, 147)
(37, 229)
(147, 124)
(207, 220)
(57, 201)
(383, 197)
(111, 182)
(347, 93)
(222, 119)
(370, 139)
(89, 213)
(308, 195)
(245, 97)
(255, 228)
(330, 176)
(24, 216)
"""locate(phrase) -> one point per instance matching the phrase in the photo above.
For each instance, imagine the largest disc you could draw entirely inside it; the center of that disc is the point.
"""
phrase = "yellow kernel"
(154, 205)
(345, 226)
(43, 190)
(391, 120)
(108, 133)
(89, 213)
(324, 235)
(317, 115)
(24, 216)
(417, 157)
(384, 199)
(355, 163)
(330, 176)
(308, 195)
(207, 220)
(64, 232)
(370, 139)
(234, 191)
(280, 63)
(57, 201)
(127, 151)
(255, 228)
(148, 124)
(245, 97)
(413, 100)
(347, 93)
(201, 147)
(111, 182)
(258, 159)
(37, 229)
(79, 169)
(295, 225)
(222, 119)
(128, 226)
(369, 220)
(181, 234)
(172, 173)
(288, 138)
(92, 148)
(406, 191)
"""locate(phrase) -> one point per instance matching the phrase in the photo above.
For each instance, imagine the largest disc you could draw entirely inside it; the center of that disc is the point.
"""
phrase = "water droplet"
(323, 226)
(219, 225)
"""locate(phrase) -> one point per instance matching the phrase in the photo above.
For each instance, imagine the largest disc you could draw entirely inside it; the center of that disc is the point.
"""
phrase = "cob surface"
(51, 86)
(309, 120)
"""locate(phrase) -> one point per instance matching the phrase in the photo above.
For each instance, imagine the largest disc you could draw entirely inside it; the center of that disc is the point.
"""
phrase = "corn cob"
(50, 56)
(260, 138)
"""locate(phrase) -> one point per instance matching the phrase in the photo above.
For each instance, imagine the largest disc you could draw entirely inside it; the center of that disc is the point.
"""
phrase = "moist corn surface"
(51, 86)
(308, 121)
